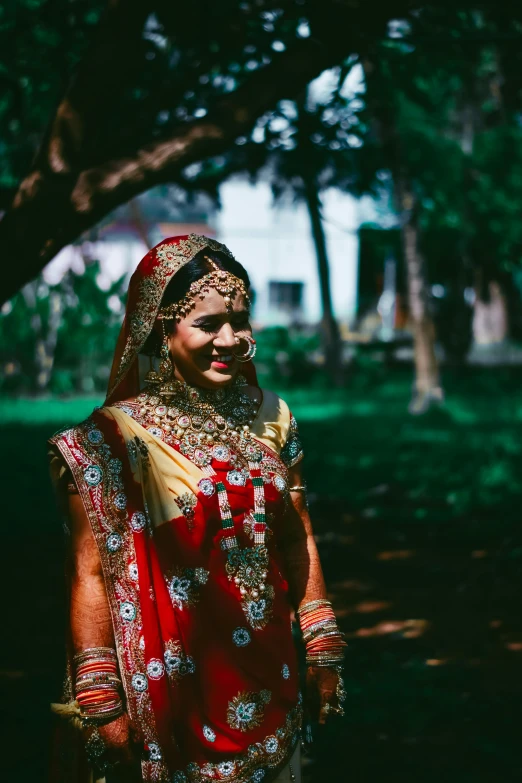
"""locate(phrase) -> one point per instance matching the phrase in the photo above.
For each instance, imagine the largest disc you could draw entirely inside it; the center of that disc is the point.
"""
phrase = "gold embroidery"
(177, 663)
(272, 753)
(246, 710)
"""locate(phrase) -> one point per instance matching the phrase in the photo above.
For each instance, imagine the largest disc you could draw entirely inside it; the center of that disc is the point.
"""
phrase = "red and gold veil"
(146, 288)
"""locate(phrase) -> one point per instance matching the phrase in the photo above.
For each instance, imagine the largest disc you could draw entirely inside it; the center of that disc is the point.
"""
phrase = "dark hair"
(179, 286)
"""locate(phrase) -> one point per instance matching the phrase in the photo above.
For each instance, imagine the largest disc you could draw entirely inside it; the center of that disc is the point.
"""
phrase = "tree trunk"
(46, 346)
(330, 331)
(490, 314)
(427, 388)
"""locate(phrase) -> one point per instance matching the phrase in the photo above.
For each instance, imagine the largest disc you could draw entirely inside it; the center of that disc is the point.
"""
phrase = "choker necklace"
(202, 423)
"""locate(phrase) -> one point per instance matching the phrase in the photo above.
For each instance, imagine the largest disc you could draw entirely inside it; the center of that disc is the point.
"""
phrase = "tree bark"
(427, 389)
(330, 330)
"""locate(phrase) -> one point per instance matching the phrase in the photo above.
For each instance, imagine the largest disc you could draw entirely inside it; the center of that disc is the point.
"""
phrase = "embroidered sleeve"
(292, 451)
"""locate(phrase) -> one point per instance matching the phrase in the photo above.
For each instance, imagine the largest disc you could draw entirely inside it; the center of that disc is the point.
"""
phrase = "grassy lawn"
(418, 524)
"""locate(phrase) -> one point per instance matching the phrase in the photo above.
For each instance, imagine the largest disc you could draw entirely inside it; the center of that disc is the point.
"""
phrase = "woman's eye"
(208, 328)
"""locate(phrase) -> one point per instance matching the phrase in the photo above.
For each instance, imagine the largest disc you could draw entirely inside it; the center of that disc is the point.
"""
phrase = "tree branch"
(115, 56)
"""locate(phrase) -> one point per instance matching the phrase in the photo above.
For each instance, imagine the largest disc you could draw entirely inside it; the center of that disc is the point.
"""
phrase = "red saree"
(211, 684)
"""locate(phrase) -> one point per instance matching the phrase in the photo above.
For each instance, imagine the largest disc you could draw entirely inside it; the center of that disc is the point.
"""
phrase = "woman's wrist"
(97, 685)
(323, 640)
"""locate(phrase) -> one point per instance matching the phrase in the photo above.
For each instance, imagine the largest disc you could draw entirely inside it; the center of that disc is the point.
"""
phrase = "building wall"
(274, 243)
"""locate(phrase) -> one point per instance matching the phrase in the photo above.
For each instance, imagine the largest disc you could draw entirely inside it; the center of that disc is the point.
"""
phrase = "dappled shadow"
(31, 574)
(418, 527)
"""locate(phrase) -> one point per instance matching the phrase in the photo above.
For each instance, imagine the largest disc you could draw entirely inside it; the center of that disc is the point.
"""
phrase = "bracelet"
(92, 652)
(97, 685)
(313, 630)
(312, 604)
(323, 640)
(326, 662)
(97, 678)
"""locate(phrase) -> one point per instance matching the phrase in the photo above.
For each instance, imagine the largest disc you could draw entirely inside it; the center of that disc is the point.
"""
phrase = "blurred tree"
(438, 128)
(60, 338)
(302, 147)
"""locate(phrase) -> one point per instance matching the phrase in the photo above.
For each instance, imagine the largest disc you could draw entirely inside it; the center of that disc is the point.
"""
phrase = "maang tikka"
(225, 283)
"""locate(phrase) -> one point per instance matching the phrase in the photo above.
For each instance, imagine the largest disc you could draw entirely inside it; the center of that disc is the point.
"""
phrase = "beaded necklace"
(211, 425)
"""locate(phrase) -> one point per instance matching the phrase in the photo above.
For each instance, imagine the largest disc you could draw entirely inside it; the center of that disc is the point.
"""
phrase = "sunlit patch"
(408, 629)
(353, 584)
(366, 607)
(396, 554)
(436, 661)
(513, 646)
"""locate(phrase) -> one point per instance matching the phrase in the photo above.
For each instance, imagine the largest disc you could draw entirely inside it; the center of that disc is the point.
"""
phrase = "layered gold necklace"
(204, 424)
(207, 425)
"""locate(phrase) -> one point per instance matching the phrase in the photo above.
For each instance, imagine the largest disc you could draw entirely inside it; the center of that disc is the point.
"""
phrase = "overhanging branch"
(56, 209)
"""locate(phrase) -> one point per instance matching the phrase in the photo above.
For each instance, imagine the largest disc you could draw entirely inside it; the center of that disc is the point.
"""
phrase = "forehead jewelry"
(225, 283)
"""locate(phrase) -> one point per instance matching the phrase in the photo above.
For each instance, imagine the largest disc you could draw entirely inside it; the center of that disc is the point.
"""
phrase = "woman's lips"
(222, 362)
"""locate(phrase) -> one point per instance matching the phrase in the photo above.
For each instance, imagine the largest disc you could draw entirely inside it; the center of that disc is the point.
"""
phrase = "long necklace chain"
(209, 425)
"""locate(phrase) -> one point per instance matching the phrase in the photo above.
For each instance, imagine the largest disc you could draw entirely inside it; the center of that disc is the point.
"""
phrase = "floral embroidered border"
(97, 475)
(270, 754)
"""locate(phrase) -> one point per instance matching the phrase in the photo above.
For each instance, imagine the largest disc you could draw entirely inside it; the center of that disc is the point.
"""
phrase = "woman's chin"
(220, 376)
(209, 378)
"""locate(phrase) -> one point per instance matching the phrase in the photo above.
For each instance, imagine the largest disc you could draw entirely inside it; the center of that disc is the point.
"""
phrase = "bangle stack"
(97, 685)
(323, 640)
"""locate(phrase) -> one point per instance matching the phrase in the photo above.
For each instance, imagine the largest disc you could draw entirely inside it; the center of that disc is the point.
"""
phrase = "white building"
(274, 243)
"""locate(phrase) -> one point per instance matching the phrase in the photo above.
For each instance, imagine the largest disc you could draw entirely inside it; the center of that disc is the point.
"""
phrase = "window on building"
(285, 296)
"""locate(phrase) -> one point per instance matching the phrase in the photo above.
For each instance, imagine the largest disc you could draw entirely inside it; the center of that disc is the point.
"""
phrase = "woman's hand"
(118, 740)
(112, 743)
(322, 698)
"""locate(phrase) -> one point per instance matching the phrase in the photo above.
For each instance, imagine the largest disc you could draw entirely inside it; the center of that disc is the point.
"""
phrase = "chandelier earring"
(165, 373)
(251, 350)
(166, 368)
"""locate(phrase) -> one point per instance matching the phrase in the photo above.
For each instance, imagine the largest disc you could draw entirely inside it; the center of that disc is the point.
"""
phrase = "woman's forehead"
(214, 304)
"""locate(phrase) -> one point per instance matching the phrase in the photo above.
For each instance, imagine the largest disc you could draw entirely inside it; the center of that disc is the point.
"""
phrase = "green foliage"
(444, 126)
(68, 330)
(284, 358)
(41, 42)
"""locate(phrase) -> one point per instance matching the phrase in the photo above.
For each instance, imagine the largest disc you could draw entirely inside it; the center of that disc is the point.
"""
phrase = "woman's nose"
(225, 338)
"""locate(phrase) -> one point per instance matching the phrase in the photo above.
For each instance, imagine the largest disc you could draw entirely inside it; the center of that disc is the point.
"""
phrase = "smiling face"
(202, 345)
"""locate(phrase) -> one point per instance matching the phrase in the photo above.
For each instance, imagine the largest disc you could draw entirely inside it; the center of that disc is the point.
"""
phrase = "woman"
(190, 543)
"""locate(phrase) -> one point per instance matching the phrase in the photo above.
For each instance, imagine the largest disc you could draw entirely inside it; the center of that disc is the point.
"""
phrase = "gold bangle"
(94, 652)
(313, 605)
(298, 488)
(327, 633)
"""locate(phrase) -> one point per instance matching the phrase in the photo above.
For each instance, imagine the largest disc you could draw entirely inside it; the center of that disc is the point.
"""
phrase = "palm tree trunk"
(427, 388)
(330, 330)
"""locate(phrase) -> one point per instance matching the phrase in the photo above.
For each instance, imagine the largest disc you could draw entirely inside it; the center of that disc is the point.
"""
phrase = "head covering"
(146, 288)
